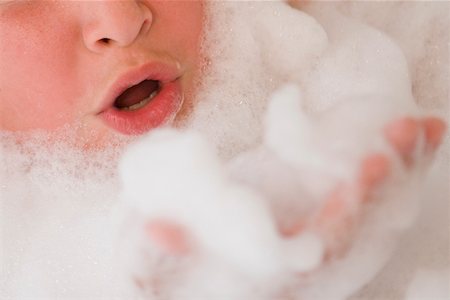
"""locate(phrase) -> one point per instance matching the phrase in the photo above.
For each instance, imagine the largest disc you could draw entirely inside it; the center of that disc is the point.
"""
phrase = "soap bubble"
(272, 132)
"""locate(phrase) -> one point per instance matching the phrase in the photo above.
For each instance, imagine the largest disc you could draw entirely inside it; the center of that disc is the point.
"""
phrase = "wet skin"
(63, 57)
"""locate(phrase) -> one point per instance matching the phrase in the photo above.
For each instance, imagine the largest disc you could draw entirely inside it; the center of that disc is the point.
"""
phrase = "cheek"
(179, 24)
(38, 87)
(192, 28)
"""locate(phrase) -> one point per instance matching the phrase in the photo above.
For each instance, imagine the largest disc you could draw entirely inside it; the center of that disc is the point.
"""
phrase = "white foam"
(62, 233)
(429, 284)
(56, 234)
(250, 51)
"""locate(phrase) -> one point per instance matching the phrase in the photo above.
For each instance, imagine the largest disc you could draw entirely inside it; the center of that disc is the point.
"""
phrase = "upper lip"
(164, 73)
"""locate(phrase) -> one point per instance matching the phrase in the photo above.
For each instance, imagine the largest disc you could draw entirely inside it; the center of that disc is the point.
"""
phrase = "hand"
(338, 218)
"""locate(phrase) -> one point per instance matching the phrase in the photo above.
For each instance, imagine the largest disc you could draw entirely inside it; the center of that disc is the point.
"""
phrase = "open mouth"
(144, 98)
(137, 96)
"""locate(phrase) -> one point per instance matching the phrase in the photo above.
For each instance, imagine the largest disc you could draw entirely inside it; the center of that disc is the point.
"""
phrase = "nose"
(111, 23)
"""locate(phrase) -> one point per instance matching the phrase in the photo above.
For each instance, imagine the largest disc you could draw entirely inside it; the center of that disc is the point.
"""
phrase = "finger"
(330, 212)
(434, 132)
(374, 170)
(293, 229)
(338, 218)
(335, 206)
(335, 222)
(168, 236)
(403, 134)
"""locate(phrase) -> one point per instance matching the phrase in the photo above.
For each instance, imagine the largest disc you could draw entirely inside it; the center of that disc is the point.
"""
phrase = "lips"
(143, 99)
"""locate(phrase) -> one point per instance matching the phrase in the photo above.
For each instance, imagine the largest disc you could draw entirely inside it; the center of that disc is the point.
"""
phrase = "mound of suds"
(56, 203)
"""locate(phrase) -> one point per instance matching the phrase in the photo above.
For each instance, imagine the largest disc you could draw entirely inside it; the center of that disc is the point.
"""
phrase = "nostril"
(115, 23)
(145, 26)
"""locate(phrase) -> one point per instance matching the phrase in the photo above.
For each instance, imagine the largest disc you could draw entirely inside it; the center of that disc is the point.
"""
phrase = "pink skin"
(57, 68)
(170, 237)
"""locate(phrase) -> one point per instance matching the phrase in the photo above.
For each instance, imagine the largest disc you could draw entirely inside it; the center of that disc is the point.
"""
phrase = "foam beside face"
(57, 203)
(250, 50)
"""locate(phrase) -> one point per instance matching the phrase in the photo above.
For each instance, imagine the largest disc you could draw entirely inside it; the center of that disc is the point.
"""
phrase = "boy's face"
(94, 64)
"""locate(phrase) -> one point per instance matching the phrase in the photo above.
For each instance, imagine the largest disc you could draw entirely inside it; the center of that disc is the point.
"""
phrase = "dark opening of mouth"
(138, 95)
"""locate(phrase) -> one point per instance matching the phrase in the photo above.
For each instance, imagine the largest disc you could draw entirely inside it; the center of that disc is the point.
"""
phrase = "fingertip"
(434, 131)
(374, 169)
(168, 236)
(334, 206)
(403, 134)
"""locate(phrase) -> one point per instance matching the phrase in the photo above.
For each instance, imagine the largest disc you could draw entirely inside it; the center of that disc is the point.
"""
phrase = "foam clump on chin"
(55, 227)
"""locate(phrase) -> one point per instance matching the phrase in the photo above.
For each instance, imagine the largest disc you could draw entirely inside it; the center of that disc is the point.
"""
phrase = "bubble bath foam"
(293, 96)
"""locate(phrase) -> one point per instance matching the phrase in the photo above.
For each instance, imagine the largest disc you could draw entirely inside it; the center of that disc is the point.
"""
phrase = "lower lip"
(161, 110)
